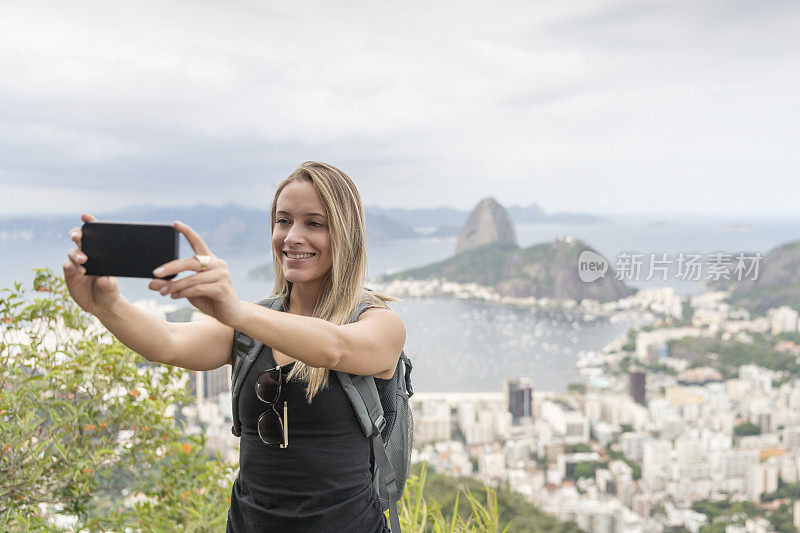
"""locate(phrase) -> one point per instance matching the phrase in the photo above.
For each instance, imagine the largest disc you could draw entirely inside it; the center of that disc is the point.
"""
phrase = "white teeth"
(298, 256)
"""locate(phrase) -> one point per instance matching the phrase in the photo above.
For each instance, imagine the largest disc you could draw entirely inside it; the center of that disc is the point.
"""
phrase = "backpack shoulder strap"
(363, 395)
(362, 392)
(245, 352)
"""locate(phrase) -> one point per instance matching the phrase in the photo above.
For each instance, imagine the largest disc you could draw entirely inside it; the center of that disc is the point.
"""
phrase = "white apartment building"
(601, 516)
(758, 378)
(566, 421)
(761, 479)
(782, 319)
(632, 445)
(734, 463)
(657, 456)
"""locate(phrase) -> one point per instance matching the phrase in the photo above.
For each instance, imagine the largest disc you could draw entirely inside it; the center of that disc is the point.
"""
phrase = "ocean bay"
(463, 345)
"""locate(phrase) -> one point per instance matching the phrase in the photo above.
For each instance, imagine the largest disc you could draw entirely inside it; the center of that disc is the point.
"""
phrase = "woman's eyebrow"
(307, 214)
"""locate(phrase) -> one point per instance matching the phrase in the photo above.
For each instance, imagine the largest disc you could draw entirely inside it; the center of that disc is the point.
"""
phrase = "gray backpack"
(386, 420)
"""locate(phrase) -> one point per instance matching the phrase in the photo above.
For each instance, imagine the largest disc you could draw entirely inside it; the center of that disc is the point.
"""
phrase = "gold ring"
(204, 260)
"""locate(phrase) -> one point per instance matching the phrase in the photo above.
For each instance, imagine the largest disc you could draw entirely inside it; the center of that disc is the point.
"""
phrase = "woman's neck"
(303, 298)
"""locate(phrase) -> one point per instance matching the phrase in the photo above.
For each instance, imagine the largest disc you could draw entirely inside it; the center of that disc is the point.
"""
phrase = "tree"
(781, 519)
(586, 469)
(746, 428)
(577, 388)
(88, 428)
(581, 447)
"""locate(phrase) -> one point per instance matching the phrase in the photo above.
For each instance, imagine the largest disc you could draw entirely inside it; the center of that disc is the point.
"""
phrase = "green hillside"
(777, 282)
(543, 270)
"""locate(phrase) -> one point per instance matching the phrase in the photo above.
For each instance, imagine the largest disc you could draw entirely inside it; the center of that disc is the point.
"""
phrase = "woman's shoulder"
(376, 298)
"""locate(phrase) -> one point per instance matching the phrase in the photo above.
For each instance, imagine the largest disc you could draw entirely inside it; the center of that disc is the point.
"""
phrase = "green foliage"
(746, 428)
(785, 490)
(724, 512)
(630, 344)
(625, 428)
(717, 527)
(581, 447)
(88, 428)
(732, 355)
(484, 265)
(744, 507)
(417, 514)
(793, 336)
(710, 509)
(687, 312)
(619, 456)
(586, 469)
(781, 519)
(578, 388)
(433, 503)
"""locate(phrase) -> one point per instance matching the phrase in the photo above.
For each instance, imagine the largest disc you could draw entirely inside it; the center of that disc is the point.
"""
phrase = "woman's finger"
(158, 284)
(77, 256)
(190, 281)
(176, 266)
(75, 234)
(206, 289)
(194, 239)
(71, 268)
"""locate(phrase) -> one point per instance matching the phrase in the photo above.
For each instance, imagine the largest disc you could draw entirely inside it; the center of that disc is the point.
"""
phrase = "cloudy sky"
(612, 106)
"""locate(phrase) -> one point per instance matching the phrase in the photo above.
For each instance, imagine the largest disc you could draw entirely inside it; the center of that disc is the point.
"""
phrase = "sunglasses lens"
(270, 427)
(268, 386)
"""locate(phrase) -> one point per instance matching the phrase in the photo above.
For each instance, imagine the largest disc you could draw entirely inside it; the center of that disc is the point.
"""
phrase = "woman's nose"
(294, 235)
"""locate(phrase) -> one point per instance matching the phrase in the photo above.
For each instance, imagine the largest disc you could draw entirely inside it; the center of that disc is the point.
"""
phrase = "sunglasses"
(272, 427)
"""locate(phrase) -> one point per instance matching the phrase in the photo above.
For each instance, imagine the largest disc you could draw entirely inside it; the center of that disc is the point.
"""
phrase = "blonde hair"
(343, 286)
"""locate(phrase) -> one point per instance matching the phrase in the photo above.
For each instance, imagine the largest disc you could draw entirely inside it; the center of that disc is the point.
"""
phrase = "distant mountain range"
(232, 227)
(455, 218)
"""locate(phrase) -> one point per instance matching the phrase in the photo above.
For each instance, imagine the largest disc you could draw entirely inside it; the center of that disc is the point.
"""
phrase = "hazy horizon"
(731, 217)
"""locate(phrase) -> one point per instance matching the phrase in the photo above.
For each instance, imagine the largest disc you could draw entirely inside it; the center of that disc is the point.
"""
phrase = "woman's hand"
(209, 290)
(92, 293)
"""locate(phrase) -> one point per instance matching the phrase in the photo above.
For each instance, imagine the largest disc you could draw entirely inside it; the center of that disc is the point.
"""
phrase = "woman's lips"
(301, 260)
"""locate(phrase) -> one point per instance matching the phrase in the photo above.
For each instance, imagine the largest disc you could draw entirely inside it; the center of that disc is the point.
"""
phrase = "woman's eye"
(281, 221)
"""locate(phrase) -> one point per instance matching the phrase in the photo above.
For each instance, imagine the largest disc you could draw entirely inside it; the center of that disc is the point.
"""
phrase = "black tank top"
(321, 481)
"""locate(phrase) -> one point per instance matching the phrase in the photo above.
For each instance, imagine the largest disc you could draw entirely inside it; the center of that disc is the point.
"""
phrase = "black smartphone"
(128, 250)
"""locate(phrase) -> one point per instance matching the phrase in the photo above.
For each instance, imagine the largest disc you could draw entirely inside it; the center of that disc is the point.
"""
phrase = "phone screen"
(128, 250)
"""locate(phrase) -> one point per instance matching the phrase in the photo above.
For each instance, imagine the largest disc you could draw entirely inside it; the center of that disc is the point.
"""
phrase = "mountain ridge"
(544, 270)
(777, 282)
(236, 227)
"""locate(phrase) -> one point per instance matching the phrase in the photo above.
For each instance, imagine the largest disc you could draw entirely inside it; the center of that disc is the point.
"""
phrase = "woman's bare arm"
(202, 345)
(367, 347)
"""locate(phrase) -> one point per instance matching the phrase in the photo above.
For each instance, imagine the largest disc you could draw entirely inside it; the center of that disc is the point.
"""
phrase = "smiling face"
(301, 228)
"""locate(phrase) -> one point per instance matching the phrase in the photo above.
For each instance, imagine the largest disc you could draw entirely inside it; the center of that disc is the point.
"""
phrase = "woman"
(321, 480)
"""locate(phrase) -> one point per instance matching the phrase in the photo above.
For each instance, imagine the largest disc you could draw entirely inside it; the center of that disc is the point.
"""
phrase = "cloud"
(592, 106)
